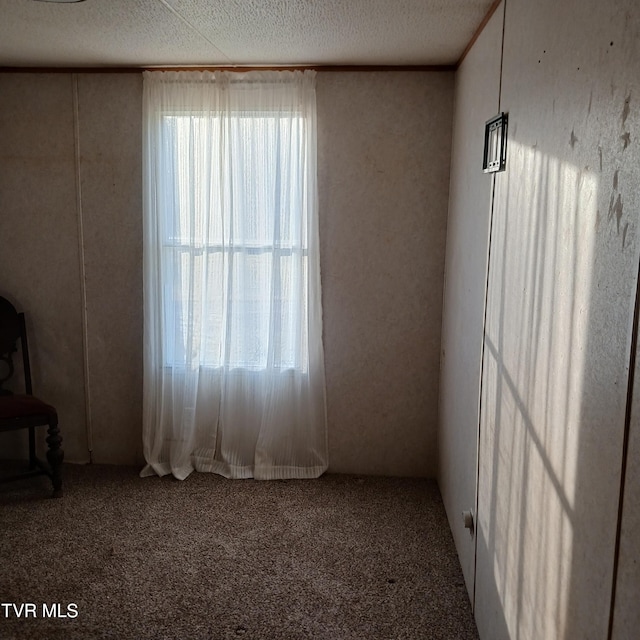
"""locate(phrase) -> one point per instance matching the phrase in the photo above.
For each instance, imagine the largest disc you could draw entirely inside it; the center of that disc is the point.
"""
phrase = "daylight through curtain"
(233, 359)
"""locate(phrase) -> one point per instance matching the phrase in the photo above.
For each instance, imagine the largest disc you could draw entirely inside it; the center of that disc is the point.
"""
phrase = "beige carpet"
(123, 557)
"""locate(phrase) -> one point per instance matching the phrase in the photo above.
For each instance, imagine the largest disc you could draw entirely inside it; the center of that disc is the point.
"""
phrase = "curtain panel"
(233, 360)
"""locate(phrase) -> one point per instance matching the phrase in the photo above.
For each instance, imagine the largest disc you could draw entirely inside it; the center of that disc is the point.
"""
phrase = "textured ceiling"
(237, 32)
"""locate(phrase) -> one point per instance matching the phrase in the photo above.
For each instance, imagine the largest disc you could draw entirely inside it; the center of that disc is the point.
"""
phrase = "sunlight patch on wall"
(535, 341)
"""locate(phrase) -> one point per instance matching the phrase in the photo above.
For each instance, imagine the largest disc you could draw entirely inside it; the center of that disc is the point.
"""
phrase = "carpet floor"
(341, 557)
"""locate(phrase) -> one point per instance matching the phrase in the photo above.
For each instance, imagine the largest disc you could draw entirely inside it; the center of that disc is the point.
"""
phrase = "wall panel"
(384, 147)
(476, 100)
(561, 293)
(110, 127)
(39, 262)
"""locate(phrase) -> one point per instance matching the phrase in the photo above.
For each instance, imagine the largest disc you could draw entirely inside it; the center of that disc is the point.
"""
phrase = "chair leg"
(55, 456)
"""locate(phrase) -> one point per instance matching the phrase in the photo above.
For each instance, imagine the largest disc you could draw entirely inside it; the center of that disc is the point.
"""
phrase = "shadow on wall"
(534, 360)
(562, 282)
(561, 293)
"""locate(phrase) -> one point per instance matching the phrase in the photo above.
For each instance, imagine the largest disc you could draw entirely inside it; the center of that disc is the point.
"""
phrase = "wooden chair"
(24, 411)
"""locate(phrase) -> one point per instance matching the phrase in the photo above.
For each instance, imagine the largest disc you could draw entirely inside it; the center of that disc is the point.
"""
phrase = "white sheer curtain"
(233, 358)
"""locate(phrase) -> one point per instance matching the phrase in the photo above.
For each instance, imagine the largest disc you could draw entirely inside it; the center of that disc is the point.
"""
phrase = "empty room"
(332, 313)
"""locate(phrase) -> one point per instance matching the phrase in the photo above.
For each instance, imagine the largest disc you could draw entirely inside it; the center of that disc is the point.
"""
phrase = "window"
(234, 268)
(233, 359)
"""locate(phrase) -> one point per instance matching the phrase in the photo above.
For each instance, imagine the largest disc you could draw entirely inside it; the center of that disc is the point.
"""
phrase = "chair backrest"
(12, 330)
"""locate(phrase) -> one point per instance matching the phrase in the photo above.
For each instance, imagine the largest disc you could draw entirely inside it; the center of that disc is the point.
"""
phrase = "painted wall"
(384, 149)
(111, 181)
(72, 160)
(71, 196)
(562, 280)
(477, 86)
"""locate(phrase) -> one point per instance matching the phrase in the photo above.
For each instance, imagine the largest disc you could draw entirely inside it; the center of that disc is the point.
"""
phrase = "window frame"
(176, 245)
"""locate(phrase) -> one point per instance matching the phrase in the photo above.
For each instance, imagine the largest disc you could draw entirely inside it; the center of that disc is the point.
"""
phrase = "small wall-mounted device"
(468, 519)
(495, 144)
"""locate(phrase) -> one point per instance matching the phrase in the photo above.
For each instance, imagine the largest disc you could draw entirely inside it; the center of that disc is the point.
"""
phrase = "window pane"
(232, 213)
